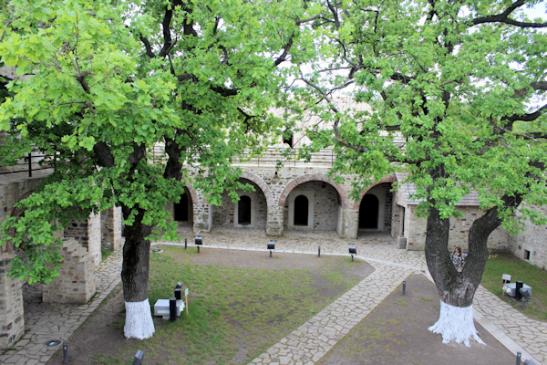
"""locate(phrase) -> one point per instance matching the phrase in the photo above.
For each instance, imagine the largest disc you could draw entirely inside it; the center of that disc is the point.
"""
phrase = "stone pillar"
(111, 229)
(12, 321)
(88, 234)
(202, 214)
(274, 224)
(349, 223)
(76, 281)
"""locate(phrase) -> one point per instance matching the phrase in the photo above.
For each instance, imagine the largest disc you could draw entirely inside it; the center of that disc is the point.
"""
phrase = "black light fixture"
(178, 291)
(352, 250)
(404, 287)
(198, 241)
(271, 246)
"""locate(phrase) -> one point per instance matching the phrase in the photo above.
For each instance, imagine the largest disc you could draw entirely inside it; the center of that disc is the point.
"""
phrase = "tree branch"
(147, 46)
(503, 17)
(103, 154)
(283, 56)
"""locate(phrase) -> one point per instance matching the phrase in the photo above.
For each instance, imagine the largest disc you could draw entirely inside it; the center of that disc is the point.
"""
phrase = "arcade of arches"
(307, 200)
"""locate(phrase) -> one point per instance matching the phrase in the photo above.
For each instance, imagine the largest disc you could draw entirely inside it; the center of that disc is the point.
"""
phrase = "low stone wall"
(76, 282)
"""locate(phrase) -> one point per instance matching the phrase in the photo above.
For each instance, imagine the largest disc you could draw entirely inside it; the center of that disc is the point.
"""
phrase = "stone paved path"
(530, 334)
(44, 321)
(311, 341)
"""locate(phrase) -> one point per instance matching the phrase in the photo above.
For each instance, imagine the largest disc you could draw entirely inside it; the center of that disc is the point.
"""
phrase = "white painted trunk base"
(456, 324)
(138, 320)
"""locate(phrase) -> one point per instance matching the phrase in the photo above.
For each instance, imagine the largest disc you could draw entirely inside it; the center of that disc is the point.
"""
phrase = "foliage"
(100, 83)
(462, 83)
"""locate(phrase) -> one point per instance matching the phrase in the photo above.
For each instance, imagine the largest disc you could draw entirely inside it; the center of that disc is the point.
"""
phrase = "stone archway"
(249, 212)
(313, 203)
(344, 201)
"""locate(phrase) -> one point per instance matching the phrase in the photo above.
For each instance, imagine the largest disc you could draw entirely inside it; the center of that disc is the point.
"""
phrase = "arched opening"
(368, 212)
(182, 210)
(301, 211)
(312, 205)
(244, 210)
(249, 211)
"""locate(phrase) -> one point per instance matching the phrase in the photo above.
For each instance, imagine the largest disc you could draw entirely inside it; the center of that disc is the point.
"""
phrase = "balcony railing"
(32, 162)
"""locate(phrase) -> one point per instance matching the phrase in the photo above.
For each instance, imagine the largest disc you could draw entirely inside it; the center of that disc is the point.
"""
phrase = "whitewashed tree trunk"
(138, 320)
(456, 324)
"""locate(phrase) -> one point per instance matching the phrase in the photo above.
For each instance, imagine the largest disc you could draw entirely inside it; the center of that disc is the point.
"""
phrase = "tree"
(100, 83)
(463, 83)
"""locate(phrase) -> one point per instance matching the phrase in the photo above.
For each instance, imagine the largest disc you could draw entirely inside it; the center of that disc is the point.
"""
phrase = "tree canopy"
(462, 83)
(100, 83)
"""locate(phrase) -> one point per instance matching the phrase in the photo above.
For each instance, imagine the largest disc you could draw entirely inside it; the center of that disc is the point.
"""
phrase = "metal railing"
(32, 162)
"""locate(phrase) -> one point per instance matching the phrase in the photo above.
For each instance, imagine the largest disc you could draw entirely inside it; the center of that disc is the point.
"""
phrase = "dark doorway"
(181, 209)
(244, 210)
(300, 211)
(368, 212)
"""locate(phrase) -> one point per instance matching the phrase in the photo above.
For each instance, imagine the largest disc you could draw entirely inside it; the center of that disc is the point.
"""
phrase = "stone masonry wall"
(111, 229)
(532, 238)
(415, 230)
(88, 233)
(324, 205)
(225, 214)
(12, 323)
(76, 282)
(13, 188)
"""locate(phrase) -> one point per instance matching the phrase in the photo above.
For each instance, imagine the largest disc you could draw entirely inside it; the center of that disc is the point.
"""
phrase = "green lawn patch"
(519, 270)
(236, 313)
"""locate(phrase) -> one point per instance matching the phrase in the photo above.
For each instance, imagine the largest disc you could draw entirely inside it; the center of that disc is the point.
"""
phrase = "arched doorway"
(312, 205)
(301, 211)
(368, 212)
(249, 211)
(183, 209)
(244, 210)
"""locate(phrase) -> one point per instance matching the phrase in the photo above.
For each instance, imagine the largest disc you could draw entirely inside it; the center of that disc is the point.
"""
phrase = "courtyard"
(295, 307)
(332, 181)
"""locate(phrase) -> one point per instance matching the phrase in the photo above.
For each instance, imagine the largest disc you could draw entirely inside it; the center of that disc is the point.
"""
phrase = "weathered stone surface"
(76, 282)
(12, 324)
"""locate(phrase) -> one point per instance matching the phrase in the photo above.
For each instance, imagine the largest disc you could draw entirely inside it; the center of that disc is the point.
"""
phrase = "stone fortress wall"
(83, 242)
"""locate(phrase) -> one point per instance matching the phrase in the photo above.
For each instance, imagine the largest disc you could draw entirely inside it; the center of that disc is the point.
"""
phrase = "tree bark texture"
(136, 259)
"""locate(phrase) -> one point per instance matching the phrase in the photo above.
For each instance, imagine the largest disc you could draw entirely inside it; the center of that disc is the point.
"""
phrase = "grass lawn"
(519, 270)
(241, 303)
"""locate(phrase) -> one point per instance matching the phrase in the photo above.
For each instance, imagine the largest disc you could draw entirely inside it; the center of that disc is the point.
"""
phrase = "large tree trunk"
(457, 289)
(136, 263)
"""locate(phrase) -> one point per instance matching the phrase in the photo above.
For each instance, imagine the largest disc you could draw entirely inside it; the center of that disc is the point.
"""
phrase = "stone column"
(88, 234)
(274, 225)
(12, 321)
(111, 229)
(76, 281)
(202, 214)
(349, 224)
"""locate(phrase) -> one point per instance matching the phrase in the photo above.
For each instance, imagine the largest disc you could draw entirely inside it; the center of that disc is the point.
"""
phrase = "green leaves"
(456, 94)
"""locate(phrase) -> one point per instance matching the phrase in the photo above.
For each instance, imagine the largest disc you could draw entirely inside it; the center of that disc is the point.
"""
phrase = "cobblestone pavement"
(311, 341)
(530, 334)
(375, 247)
(44, 322)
